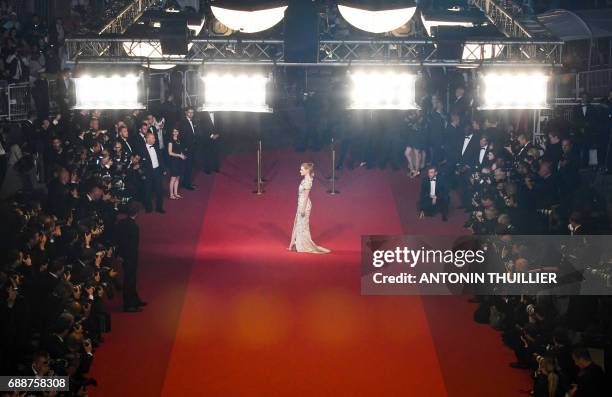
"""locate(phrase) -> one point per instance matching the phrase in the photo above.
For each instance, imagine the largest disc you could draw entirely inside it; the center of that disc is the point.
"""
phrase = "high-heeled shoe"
(173, 198)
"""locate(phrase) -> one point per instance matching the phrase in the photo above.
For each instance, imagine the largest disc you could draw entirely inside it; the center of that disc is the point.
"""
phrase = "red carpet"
(252, 319)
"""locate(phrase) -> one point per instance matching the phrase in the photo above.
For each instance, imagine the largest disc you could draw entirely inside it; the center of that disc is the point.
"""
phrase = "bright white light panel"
(514, 91)
(249, 21)
(107, 92)
(235, 93)
(376, 21)
(382, 90)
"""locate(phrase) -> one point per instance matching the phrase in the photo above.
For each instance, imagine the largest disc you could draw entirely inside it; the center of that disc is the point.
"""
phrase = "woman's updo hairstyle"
(309, 167)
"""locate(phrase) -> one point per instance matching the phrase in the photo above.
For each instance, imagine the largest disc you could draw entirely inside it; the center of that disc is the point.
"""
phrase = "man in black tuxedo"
(124, 138)
(552, 149)
(58, 197)
(467, 148)
(153, 163)
(453, 133)
(461, 103)
(189, 137)
(568, 169)
(521, 152)
(210, 143)
(28, 131)
(585, 119)
(434, 195)
(547, 187)
(465, 152)
(128, 239)
(139, 141)
(591, 379)
(54, 342)
(88, 205)
(483, 148)
(64, 96)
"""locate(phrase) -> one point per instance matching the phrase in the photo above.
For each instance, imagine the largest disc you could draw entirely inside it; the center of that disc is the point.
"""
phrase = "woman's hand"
(303, 213)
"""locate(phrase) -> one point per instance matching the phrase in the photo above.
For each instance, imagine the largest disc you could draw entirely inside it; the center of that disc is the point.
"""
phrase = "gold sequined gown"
(301, 241)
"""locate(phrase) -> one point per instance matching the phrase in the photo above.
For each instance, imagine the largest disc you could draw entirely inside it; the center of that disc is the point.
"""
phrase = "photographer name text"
(466, 278)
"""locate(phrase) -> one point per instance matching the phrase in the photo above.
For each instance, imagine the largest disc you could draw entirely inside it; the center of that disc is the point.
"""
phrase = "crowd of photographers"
(511, 186)
(71, 189)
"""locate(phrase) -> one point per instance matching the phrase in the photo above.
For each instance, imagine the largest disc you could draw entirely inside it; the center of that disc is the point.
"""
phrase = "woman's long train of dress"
(301, 241)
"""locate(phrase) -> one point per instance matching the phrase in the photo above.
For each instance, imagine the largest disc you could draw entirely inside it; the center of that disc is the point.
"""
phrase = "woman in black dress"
(415, 142)
(177, 161)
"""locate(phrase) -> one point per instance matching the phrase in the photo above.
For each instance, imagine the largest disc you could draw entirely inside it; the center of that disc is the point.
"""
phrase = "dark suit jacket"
(28, 132)
(460, 106)
(54, 346)
(585, 120)
(547, 192)
(58, 199)
(188, 135)
(86, 208)
(470, 156)
(128, 238)
(127, 149)
(64, 94)
(148, 165)
(138, 145)
(442, 192)
(523, 152)
(206, 124)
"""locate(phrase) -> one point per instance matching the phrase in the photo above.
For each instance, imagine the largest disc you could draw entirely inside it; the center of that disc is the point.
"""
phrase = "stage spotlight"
(103, 92)
(249, 21)
(430, 23)
(235, 93)
(382, 90)
(195, 25)
(514, 91)
(153, 50)
(379, 21)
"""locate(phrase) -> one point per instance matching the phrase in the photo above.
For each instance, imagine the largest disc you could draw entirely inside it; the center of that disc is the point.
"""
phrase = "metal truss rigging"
(331, 52)
(127, 17)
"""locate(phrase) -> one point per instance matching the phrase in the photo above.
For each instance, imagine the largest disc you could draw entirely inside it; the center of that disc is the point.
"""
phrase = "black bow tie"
(483, 148)
(432, 179)
(468, 137)
(152, 147)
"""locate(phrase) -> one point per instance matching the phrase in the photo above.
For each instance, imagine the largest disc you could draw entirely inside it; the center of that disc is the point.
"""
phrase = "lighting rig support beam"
(503, 16)
(127, 17)
(514, 52)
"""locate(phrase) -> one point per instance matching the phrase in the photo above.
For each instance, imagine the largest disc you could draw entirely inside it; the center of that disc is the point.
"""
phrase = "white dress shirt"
(127, 144)
(153, 156)
(466, 142)
(481, 156)
(432, 187)
(191, 124)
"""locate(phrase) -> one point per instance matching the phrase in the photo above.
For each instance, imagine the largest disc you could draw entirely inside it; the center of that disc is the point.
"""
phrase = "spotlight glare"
(235, 93)
(116, 92)
(514, 91)
(382, 90)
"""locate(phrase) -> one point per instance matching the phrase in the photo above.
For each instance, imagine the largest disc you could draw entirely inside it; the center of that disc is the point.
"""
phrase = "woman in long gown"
(301, 241)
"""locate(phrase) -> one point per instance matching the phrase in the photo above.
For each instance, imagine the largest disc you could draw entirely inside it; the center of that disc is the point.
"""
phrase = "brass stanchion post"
(259, 191)
(333, 190)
